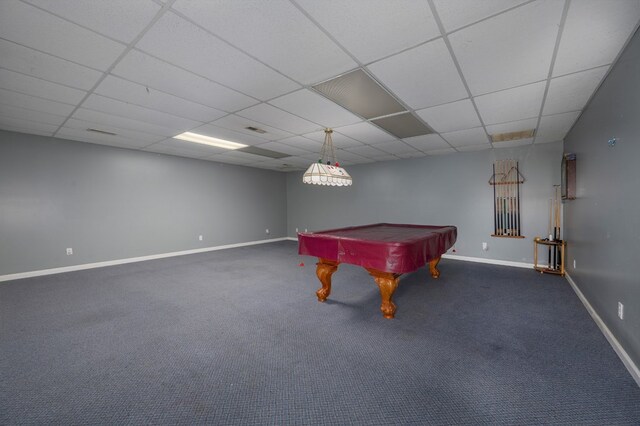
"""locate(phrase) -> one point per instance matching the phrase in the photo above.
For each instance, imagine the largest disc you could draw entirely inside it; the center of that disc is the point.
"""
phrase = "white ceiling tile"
(275, 32)
(594, 33)
(571, 92)
(229, 135)
(513, 126)
(476, 136)
(468, 148)
(135, 112)
(106, 121)
(24, 125)
(181, 43)
(354, 25)
(421, 77)
(458, 115)
(39, 88)
(238, 157)
(511, 105)
(83, 136)
(427, 142)
(316, 108)
(511, 144)
(133, 93)
(32, 27)
(412, 154)
(368, 151)
(275, 117)
(283, 148)
(105, 17)
(339, 140)
(441, 151)
(554, 128)
(365, 132)
(29, 130)
(36, 64)
(396, 148)
(20, 100)
(142, 138)
(458, 13)
(509, 50)
(30, 115)
(240, 124)
(347, 157)
(297, 162)
(303, 143)
(154, 73)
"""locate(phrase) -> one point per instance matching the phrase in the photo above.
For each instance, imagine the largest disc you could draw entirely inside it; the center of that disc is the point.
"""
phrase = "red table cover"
(386, 247)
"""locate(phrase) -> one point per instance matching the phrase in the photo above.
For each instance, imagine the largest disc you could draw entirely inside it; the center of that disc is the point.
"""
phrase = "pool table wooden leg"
(432, 268)
(387, 283)
(325, 269)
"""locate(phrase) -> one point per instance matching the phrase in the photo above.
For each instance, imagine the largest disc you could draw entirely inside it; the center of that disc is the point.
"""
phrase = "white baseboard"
(129, 260)
(617, 347)
(490, 261)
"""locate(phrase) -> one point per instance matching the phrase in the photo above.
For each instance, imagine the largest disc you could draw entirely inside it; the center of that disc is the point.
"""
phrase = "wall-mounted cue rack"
(506, 181)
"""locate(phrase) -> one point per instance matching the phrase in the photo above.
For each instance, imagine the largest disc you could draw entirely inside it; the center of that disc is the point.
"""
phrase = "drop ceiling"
(142, 72)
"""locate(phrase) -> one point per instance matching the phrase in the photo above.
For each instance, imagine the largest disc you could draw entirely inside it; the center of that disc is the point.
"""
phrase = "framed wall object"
(568, 177)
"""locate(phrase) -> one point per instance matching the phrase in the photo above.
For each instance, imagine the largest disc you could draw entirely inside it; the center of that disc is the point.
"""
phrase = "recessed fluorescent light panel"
(360, 94)
(403, 125)
(208, 140)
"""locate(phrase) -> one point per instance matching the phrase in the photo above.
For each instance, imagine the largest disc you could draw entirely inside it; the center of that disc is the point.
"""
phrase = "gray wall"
(442, 190)
(603, 223)
(109, 203)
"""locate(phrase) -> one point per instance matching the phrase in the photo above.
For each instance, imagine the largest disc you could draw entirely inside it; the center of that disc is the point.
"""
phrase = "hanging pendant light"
(327, 170)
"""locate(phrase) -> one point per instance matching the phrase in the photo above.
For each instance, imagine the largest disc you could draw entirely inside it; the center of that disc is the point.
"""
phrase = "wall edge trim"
(617, 347)
(60, 270)
(490, 261)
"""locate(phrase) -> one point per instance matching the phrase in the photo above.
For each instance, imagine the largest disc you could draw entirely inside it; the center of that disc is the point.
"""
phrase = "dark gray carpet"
(237, 337)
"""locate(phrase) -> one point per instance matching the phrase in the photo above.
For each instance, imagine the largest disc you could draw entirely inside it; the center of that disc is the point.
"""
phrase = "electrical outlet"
(484, 246)
(620, 310)
(199, 237)
(296, 230)
(69, 251)
(305, 229)
(574, 264)
(266, 231)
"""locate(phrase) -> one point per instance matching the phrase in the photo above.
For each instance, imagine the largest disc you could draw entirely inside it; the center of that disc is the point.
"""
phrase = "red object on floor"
(301, 264)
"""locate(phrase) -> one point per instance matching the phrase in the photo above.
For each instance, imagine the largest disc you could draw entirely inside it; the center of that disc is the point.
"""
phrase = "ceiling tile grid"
(248, 71)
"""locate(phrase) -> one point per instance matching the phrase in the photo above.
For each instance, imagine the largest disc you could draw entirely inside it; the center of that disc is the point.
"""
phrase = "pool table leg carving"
(325, 269)
(433, 267)
(387, 283)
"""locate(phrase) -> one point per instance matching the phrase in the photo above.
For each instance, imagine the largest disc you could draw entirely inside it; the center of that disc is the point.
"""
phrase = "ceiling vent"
(256, 129)
(102, 132)
(403, 125)
(513, 136)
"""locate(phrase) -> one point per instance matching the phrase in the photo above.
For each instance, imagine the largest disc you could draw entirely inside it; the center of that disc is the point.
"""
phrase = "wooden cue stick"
(518, 193)
(513, 222)
(549, 236)
(495, 203)
(500, 196)
(558, 225)
(499, 203)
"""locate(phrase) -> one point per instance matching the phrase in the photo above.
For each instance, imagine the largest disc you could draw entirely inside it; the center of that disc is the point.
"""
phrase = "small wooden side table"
(557, 249)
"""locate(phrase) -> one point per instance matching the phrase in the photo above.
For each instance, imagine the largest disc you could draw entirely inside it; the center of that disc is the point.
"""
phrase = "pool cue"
(518, 191)
(495, 213)
(549, 236)
(557, 230)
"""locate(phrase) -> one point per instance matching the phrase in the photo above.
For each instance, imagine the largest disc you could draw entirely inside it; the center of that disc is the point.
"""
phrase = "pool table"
(385, 250)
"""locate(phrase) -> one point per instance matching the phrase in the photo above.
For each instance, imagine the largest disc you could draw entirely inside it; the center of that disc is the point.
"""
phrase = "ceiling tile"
(275, 117)
(313, 107)
(30, 115)
(441, 151)
(512, 126)
(265, 29)
(83, 136)
(36, 64)
(412, 154)
(32, 27)
(554, 128)
(23, 125)
(154, 73)
(135, 112)
(339, 140)
(240, 124)
(181, 43)
(303, 143)
(511, 144)
(365, 132)
(571, 92)
(511, 105)
(396, 147)
(39, 88)
(469, 148)
(284, 148)
(83, 125)
(184, 148)
(458, 115)
(427, 142)
(133, 93)
(354, 25)
(229, 135)
(594, 33)
(105, 17)
(476, 136)
(458, 13)
(347, 157)
(238, 157)
(20, 100)
(367, 151)
(112, 121)
(421, 77)
(509, 50)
